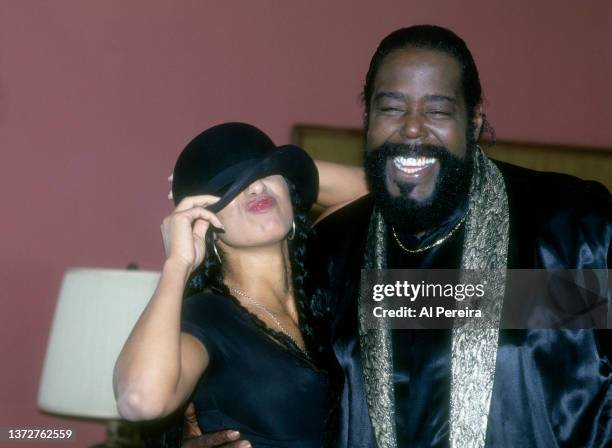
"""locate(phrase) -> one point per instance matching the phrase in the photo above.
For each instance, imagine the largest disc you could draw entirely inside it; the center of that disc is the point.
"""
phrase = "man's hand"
(193, 437)
(221, 439)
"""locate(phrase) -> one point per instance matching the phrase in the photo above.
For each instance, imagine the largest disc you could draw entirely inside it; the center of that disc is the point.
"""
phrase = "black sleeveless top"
(253, 384)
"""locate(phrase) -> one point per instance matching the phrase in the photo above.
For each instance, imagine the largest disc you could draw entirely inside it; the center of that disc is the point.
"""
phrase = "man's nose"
(412, 126)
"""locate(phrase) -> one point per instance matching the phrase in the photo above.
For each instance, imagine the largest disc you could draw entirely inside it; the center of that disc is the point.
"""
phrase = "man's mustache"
(390, 150)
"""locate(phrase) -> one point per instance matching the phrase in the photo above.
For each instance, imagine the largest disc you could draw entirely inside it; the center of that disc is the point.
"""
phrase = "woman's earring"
(216, 251)
(290, 237)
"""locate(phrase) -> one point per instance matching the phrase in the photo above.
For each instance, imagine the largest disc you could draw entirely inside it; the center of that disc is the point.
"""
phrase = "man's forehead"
(420, 69)
(395, 95)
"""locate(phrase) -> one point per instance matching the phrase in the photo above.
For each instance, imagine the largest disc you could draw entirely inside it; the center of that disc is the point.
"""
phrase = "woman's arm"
(159, 366)
(338, 185)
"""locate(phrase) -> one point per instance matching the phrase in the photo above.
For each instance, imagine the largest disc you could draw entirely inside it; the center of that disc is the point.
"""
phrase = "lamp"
(96, 310)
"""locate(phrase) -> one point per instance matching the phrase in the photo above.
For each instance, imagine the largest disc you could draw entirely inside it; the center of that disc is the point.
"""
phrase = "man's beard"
(449, 194)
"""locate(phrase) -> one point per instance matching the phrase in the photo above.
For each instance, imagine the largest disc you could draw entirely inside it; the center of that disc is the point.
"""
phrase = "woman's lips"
(261, 204)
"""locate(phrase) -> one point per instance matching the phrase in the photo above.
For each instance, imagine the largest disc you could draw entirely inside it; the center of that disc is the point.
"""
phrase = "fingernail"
(244, 444)
(233, 435)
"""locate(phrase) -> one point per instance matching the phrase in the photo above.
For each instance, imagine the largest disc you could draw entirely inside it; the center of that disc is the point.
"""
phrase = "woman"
(249, 331)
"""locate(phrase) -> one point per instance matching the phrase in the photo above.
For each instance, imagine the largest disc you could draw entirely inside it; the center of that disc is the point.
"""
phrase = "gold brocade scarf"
(474, 344)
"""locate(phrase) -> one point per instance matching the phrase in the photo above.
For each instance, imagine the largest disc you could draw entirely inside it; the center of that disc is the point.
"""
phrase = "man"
(438, 202)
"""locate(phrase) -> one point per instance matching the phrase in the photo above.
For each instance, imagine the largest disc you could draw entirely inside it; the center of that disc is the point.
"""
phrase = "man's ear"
(478, 121)
(366, 122)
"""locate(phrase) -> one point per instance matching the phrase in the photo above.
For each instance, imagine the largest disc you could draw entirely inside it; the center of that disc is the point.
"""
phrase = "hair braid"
(299, 275)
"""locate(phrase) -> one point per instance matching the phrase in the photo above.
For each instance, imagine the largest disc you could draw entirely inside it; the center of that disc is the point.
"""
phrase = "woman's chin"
(261, 239)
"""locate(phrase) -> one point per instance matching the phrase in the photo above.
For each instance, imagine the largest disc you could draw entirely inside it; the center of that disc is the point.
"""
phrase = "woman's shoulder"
(214, 320)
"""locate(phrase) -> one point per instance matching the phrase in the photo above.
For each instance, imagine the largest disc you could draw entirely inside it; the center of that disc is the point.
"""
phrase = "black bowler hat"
(227, 158)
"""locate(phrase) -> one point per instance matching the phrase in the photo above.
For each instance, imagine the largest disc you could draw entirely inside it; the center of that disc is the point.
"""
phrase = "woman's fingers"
(202, 200)
(200, 227)
(201, 213)
(190, 216)
(200, 203)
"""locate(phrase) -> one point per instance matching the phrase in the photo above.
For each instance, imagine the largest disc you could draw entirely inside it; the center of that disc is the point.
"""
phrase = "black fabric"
(422, 359)
(552, 388)
(164, 433)
(253, 384)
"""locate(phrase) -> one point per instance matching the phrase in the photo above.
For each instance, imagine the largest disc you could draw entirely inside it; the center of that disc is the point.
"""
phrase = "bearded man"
(438, 202)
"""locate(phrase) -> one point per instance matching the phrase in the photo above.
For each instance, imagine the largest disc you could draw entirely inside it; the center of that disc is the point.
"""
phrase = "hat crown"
(231, 143)
(215, 150)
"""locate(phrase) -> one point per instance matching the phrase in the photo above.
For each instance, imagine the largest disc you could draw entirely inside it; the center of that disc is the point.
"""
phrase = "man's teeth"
(410, 165)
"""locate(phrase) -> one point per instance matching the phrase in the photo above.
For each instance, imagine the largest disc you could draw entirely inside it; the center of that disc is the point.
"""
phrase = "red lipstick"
(261, 204)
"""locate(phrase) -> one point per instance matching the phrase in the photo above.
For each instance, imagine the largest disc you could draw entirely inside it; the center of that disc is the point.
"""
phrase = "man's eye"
(440, 113)
(390, 109)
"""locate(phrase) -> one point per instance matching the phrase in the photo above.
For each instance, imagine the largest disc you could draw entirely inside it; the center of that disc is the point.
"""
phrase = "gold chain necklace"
(429, 246)
(269, 313)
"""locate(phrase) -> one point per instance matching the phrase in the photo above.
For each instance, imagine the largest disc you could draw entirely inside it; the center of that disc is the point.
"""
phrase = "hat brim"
(290, 161)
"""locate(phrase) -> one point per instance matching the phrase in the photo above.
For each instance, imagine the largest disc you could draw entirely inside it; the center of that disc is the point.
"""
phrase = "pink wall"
(98, 97)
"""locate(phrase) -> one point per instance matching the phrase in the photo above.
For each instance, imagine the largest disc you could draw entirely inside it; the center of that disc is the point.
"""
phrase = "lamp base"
(121, 434)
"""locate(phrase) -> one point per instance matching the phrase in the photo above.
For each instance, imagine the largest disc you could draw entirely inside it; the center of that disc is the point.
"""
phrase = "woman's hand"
(184, 231)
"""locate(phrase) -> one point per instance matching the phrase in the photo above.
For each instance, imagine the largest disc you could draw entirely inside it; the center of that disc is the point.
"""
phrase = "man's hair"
(429, 37)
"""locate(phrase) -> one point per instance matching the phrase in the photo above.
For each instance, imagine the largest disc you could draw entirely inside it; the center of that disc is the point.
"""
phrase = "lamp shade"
(96, 310)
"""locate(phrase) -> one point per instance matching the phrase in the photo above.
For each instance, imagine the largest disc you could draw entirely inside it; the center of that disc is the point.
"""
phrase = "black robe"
(552, 388)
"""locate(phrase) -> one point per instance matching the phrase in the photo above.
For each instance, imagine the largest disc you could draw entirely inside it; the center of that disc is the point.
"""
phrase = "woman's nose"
(256, 187)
